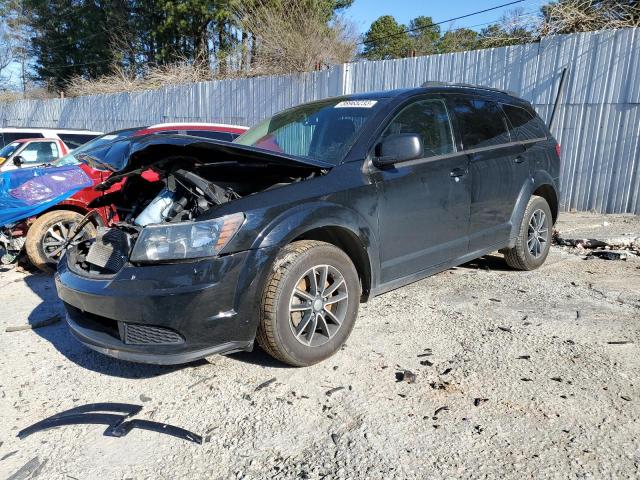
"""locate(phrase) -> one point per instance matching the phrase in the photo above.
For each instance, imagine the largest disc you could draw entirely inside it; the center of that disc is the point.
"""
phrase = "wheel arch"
(333, 223)
(540, 184)
(96, 220)
(349, 243)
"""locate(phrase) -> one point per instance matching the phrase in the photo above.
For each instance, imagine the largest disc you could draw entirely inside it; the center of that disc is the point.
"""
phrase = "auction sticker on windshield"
(356, 104)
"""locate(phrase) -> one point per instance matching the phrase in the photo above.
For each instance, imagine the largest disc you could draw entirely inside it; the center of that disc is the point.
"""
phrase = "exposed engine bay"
(188, 187)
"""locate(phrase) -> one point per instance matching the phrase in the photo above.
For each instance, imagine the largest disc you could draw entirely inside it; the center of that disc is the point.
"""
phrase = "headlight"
(174, 241)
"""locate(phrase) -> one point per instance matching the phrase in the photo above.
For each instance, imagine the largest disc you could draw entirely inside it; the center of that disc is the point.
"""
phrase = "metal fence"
(597, 121)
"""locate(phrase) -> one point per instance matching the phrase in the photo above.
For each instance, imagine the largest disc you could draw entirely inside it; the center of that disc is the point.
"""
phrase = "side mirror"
(18, 161)
(396, 148)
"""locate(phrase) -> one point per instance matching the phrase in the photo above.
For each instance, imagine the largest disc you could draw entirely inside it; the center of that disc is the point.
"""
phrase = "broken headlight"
(175, 241)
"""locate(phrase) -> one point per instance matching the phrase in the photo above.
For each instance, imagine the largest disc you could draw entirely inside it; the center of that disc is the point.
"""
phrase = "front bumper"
(167, 313)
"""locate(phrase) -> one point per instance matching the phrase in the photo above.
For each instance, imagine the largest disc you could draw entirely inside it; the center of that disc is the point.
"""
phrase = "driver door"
(424, 204)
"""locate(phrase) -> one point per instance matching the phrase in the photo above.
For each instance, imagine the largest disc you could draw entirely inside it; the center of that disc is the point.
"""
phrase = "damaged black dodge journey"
(278, 236)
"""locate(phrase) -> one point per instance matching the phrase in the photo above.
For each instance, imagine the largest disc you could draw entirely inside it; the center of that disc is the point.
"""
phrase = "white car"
(71, 137)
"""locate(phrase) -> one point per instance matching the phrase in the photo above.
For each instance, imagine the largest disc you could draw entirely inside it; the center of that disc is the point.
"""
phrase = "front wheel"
(310, 303)
(534, 238)
(48, 235)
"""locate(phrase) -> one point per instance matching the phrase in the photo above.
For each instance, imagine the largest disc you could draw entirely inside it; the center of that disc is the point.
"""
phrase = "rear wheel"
(48, 235)
(310, 303)
(534, 238)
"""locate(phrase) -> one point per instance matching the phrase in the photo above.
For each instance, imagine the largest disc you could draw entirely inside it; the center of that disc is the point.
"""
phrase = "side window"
(210, 134)
(525, 125)
(481, 122)
(40, 152)
(430, 120)
(9, 137)
(74, 140)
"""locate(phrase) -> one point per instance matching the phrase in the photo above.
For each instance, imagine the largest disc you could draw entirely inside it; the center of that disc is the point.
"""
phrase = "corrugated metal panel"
(597, 122)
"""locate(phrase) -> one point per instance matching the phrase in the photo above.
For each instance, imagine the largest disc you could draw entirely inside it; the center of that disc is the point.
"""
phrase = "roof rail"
(466, 85)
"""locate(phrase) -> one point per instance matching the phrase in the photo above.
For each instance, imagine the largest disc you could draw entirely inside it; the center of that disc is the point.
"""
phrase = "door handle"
(458, 172)
(519, 159)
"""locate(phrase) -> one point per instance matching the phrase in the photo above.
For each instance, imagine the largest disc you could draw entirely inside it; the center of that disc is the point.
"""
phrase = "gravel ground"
(518, 375)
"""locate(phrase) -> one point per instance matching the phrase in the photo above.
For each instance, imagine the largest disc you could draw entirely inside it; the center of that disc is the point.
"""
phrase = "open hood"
(133, 154)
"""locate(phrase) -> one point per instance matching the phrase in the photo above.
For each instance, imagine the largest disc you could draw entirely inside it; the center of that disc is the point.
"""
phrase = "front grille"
(136, 334)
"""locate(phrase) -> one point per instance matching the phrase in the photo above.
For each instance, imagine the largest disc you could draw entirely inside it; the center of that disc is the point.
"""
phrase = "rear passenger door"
(423, 203)
(497, 168)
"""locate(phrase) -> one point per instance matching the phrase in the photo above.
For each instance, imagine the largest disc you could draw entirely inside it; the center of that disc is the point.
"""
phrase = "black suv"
(280, 235)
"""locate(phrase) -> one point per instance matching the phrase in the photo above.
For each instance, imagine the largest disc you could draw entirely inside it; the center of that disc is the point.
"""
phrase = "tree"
(458, 40)
(295, 36)
(514, 28)
(570, 16)
(386, 39)
(71, 38)
(424, 35)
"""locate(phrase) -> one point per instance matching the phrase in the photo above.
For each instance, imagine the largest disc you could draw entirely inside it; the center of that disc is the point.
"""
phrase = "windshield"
(8, 150)
(324, 130)
(71, 159)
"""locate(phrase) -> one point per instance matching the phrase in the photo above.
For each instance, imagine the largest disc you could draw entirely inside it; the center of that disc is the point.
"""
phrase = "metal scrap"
(33, 326)
(117, 423)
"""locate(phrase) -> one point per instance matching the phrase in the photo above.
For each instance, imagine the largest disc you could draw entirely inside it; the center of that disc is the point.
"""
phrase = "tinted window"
(39, 152)
(481, 122)
(227, 137)
(430, 120)
(9, 137)
(74, 140)
(525, 125)
(70, 158)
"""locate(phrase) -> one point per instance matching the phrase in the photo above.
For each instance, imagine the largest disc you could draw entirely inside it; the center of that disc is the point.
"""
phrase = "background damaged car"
(280, 235)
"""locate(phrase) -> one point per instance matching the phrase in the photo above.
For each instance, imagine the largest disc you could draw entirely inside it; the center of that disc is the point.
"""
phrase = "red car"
(46, 235)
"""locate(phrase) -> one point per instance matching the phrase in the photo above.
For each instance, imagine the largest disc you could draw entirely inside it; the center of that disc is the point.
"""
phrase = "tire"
(289, 336)
(527, 254)
(57, 222)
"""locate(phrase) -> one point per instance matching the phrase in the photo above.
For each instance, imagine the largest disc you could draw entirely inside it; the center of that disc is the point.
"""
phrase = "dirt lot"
(531, 375)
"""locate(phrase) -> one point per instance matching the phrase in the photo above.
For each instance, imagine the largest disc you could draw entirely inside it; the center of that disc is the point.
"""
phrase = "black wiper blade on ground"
(118, 425)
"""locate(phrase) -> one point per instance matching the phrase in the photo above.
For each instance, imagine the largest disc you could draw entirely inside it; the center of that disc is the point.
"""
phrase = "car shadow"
(258, 357)
(59, 336)
(488, 262)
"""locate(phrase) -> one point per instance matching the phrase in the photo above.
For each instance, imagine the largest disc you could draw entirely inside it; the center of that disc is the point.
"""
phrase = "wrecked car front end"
(180, 277)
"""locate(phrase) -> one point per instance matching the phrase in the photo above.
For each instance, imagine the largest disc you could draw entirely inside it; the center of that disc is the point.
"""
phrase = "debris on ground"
(31, 469)
(478, 401)
(265, 384)
(406, 376)
(328, 393)
(33, 326)
(608, 254)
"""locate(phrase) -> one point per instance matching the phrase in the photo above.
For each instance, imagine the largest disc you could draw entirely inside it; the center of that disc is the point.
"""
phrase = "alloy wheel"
(56, 237)
(538, 235)
(318, 305)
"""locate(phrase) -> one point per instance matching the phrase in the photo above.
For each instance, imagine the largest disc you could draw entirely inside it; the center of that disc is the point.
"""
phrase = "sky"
(363, 12)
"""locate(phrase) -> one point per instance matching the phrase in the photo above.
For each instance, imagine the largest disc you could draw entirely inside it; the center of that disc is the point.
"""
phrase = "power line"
(404, 32)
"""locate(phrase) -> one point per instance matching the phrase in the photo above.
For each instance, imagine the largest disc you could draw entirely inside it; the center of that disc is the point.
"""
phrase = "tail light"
(558, 149)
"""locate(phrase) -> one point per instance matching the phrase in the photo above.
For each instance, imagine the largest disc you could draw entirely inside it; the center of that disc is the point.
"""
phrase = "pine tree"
(386, 39)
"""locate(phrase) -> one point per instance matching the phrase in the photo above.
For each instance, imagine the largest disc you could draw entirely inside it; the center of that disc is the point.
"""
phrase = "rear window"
(481, 122)
(8, 137)
(227, 137)
(526, 126)
(74, 140)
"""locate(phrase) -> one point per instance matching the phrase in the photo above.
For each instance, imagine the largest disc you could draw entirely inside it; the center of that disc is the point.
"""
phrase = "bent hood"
(157, 151)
